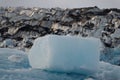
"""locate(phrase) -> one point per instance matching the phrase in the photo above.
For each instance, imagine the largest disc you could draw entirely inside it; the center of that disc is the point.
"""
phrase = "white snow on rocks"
(8, 43)
(66, 54)
(116, 34)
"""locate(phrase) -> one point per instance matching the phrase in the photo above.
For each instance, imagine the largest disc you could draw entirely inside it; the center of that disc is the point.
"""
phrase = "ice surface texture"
(66, 54)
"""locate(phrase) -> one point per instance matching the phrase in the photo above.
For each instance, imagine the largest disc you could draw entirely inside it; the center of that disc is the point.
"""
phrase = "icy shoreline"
(21, 26)
(106, 72)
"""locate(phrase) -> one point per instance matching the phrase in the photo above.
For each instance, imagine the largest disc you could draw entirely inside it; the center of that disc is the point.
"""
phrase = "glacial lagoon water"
(14, 65)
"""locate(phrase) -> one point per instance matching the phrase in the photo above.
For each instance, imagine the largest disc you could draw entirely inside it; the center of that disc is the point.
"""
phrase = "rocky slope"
(20, 26)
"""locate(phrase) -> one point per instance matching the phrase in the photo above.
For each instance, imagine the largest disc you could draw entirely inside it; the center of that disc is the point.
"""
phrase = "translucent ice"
(65, 54)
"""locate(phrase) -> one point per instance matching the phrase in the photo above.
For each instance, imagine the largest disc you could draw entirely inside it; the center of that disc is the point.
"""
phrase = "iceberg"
(108, 71)
(66, 54)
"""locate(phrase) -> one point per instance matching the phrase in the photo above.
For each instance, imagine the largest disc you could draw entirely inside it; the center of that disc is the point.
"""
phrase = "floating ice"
(108, 71)
(66, 54)
(15, 58)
